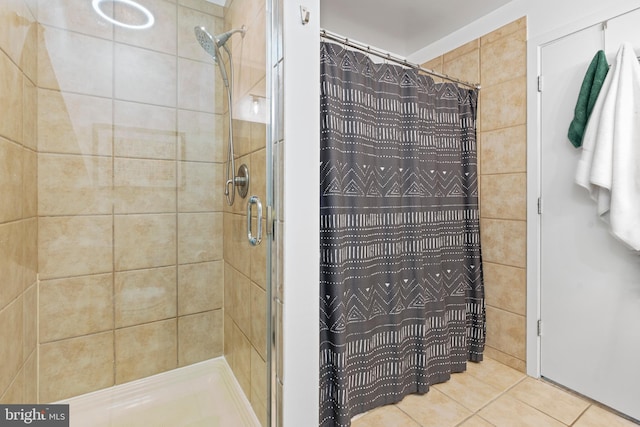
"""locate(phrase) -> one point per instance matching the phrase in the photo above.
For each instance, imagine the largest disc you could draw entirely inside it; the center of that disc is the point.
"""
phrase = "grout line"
(591, 402)
(546, 413)
(502, 173)
(502, 219)
(401, 410)
(466, 419)
(113, 208)
(178, 171)
(473, 413)
(505, 310)
(581, 414)
(504, 392)
(504, 127)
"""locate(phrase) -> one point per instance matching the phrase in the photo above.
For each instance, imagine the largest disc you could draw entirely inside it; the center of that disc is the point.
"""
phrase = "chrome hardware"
(254, 200)
(304, 15)
(242, 180)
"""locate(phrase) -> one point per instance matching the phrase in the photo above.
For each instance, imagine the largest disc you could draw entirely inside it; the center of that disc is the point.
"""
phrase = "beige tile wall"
(129, 196)
(18, 206)
(498, 62)
(130, 131)
(245, 320)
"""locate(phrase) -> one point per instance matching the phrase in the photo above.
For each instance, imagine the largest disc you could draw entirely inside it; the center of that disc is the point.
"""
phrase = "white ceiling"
(401, 26)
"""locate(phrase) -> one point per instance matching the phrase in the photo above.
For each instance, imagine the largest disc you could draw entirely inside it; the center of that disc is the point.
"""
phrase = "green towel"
(589, 90)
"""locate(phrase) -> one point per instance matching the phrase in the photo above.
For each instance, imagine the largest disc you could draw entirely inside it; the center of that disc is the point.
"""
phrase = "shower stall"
(126, 248)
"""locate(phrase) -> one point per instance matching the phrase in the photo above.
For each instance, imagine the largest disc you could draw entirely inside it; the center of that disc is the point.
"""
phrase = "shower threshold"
(202, 394)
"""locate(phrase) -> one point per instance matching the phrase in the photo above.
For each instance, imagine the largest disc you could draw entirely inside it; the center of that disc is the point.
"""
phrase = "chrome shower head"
(212, 44)
(207, 42)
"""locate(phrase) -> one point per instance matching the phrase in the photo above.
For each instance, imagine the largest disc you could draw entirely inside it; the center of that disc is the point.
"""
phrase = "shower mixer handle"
(226, 186)
(240, 180)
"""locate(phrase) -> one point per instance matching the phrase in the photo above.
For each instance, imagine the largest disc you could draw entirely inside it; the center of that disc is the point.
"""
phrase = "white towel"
(610, 164)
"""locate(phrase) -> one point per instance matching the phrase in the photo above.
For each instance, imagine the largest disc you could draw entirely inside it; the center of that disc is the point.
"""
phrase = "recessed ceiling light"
(133, 4)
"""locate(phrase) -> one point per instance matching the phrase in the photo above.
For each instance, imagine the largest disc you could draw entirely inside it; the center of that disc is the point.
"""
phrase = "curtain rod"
(390, 57)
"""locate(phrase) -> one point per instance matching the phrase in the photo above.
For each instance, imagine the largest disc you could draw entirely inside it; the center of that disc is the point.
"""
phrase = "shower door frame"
(273, 28)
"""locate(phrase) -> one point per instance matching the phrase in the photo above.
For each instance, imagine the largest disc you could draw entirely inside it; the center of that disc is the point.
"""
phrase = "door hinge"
(270, 221)
(539, 327)
(539, 83)
(539, 206)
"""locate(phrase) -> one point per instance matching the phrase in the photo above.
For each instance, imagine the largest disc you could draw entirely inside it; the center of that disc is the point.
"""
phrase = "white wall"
(301, 308)
(543, 16)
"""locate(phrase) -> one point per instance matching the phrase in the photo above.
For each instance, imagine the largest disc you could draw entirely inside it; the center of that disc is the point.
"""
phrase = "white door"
(590, 283)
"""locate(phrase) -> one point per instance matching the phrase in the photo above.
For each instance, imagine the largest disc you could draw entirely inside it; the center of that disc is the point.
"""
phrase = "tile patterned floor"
(492, 394)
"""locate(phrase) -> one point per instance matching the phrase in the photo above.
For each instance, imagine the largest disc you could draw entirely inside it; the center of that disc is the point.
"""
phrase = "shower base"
(205, 394)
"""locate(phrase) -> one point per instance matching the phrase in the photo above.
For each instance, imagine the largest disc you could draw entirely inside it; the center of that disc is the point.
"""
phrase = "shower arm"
(222, 38)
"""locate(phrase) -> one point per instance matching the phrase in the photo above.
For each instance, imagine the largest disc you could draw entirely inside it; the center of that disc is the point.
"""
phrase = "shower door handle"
(254, 200)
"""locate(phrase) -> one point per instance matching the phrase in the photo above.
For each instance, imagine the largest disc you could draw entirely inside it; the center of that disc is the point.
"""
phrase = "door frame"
(534, 164)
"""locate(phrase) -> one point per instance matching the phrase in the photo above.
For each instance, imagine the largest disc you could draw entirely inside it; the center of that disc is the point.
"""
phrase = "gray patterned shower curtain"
(401, 290)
